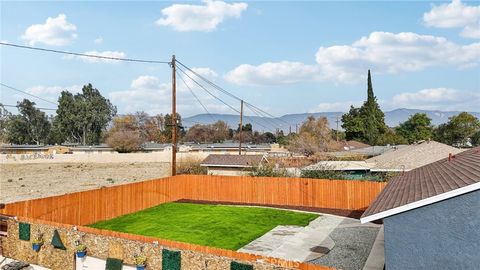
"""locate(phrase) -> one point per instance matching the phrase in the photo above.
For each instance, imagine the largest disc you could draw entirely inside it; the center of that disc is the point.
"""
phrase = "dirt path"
(28, 181)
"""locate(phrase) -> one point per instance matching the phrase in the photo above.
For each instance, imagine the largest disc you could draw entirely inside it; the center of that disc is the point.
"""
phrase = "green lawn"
(228, 227)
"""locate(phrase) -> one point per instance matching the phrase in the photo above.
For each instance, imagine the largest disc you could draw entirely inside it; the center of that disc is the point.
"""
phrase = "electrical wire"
(16, 106)
(232, 95)
(85, 55)
(26, 93)
(219, 99)
(195, 96)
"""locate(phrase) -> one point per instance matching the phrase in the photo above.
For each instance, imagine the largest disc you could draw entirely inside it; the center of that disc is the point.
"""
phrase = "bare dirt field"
(25, 181)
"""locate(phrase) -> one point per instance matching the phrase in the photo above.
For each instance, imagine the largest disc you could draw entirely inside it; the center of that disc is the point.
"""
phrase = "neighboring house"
(431, 215)
(410, 157)
(233, 165)
(92, 149)
(352, 145)
(369, 151)
(33, 149)
(230, 148)
(352, 169)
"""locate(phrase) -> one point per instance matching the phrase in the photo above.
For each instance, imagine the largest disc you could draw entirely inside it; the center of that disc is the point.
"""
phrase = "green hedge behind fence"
(170, 260)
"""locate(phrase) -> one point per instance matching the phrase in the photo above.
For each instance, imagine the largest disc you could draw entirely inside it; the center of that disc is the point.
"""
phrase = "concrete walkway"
(317, 242)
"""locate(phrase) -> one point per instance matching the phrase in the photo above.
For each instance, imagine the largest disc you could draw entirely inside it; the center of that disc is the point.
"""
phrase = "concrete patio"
(329, 240)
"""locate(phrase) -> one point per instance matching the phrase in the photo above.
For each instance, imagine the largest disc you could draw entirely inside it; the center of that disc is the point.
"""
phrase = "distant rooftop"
(443, 179)
(412, 156)
(338, 166)
(240, 161)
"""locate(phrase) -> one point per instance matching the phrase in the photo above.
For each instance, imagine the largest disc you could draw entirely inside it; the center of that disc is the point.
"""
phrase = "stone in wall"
(102, 247)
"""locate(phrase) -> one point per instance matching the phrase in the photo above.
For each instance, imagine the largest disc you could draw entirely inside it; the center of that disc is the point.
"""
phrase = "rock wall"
(103, 247)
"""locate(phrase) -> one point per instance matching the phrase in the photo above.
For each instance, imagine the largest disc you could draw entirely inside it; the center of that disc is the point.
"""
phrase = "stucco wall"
(228, 171)
(102, 247)
(443, 235)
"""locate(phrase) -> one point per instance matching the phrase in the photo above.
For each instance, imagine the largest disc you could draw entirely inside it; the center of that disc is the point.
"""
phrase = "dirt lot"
(35, 180)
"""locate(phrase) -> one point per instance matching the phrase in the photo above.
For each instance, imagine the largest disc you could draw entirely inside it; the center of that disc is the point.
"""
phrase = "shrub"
(125, 141)
(323, 174)
(190, 166)
(269, 171)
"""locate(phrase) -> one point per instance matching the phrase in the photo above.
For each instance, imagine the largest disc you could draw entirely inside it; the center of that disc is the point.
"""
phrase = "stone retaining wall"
(103, 247)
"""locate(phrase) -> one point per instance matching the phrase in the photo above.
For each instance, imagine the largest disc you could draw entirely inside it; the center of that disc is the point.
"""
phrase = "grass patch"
(228, 227)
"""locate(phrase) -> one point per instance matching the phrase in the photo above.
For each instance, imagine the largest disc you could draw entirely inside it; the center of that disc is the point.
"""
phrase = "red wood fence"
(90, 206)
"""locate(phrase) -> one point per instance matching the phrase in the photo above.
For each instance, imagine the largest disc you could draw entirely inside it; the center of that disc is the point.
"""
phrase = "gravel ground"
(20, 182)
(352, 247)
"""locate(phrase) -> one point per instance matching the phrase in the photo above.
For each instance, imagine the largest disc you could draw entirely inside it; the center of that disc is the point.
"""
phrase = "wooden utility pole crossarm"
(174, 118)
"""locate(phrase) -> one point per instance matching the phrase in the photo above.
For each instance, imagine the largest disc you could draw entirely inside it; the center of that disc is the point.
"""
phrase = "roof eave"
(420, 203)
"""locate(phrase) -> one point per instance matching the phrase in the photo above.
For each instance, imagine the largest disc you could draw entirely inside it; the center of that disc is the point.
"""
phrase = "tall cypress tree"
(368, 122)
(372, 116)
(370, 95)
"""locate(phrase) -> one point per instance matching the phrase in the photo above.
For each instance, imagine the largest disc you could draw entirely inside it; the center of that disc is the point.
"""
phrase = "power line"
(219, 99)
(16, 106)
(270, 123)
(86, 55)
(230, 94)
(26, 93)
(191, 91)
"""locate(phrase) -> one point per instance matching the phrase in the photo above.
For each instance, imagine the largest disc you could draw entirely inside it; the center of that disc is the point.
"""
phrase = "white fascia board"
(420, 203)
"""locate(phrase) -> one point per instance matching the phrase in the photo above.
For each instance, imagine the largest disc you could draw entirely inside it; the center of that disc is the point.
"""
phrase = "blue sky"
(285, 57)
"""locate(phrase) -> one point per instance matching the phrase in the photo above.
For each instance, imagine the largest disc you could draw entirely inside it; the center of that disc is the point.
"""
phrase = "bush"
(269, 171)
(125, 141)
(323, 174)
(190, 166)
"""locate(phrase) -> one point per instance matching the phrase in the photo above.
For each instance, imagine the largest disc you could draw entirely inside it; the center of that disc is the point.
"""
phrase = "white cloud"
(343, 106)
(455, 15)
(98, 40)
(205, 72)
(41, 90)
(55, 32)
(383, 52)
(272, 73)
(444, 99)
(146, 93)
(386, 52)
(114, 54)
(206, 18)
(438, 99)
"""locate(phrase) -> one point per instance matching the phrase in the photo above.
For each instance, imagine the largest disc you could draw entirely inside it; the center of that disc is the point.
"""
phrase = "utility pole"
(296, 128)
(174, 118)
(241, 128)
(289, 129)
(336, 132)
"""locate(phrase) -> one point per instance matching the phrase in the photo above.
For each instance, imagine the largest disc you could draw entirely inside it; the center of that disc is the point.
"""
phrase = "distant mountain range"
(285, 122)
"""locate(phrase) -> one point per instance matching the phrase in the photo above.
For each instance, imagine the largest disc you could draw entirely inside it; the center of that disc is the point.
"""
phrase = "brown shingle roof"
(436, 181)
(232, 160)
(412, 156)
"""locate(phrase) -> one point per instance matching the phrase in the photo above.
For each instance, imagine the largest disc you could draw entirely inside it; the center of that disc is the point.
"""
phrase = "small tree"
(125, 135)
(458, 130)
(417, 127)
(30, 126)
(314, 136)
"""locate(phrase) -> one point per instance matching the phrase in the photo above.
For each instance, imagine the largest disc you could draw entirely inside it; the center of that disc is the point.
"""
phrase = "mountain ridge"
(289, 121)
